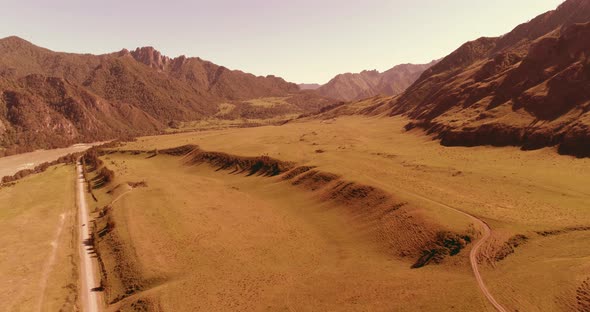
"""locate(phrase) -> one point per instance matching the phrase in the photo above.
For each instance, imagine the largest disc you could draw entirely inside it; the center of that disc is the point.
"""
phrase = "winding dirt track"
(89, 297)
(473, 258)
(487, 232)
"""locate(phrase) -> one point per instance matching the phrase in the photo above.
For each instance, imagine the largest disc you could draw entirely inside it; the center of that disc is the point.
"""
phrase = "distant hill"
(529, 88)
(309, 86)
(369, 83)
(50, 99)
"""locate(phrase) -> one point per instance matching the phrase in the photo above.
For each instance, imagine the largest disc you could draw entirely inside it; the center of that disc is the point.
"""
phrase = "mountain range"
(50, 99)
(528, 88)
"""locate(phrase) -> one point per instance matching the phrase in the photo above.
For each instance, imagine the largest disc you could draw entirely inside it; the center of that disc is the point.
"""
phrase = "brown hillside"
(529, 88)
(50, 112)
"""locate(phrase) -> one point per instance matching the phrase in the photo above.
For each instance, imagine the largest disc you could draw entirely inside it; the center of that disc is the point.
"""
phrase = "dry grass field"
(197, 238)
(38, 249)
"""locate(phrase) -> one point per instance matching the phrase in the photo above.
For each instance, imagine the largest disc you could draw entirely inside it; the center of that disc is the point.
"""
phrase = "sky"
(300, 40)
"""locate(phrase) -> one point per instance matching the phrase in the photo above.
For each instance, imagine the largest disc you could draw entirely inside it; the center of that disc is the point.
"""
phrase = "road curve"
(89, 297)
(487, 232)
(473, 259)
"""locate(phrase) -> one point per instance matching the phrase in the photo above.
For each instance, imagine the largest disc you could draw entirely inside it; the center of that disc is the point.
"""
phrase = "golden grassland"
(198, 239)
(38, 242)
(515, 192)
(536, 189)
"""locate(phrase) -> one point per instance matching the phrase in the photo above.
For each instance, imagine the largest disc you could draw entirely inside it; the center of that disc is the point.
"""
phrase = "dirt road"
(89, 297)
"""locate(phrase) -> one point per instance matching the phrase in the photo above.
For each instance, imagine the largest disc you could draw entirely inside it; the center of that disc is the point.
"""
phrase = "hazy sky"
(299, 40)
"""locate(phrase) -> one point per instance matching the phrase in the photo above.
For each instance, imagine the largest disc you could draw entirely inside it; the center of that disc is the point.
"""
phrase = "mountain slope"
(349, 86)
(50, 99)
(39, 111)
(529, 88)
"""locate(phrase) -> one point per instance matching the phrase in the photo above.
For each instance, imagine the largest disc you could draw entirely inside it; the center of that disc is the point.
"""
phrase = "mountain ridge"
(142, 89)
(368, 83)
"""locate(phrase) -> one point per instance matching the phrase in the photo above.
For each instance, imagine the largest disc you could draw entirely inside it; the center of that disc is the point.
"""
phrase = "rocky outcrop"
(151, 57)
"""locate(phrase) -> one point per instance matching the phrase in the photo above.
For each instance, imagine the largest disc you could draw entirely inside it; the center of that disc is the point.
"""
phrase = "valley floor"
(519, 194)
(177, 235)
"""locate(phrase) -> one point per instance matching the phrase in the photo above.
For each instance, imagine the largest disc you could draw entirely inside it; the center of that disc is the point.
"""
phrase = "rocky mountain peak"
(151, 57)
